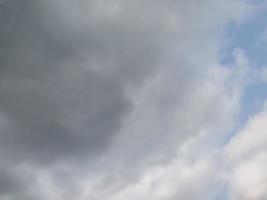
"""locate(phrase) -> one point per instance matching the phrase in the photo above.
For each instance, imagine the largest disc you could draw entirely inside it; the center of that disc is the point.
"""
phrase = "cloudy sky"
(133, 100)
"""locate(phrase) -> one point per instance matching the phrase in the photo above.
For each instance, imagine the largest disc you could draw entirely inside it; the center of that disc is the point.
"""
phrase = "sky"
(127, 100)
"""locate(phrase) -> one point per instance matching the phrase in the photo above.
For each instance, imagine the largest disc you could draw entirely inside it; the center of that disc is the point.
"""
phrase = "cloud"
(115, 99)
(177, 180)
(246, 158)
(64, 75)
(248, 179)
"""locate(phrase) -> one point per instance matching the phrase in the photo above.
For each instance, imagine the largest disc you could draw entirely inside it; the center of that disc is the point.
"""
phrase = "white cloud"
(246, 160)
(248, 179)
(251, 139)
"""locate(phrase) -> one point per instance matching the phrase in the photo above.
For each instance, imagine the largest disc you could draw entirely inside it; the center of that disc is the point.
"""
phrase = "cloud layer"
(124, 100)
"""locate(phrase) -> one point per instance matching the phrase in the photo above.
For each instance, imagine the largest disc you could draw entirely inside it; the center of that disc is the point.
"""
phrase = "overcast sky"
(133, 100)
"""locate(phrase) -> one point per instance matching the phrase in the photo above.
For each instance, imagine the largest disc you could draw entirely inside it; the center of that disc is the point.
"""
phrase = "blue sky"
(251, 38)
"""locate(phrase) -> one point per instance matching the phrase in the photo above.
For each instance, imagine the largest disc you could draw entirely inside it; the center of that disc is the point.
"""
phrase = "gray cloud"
(7, 185)
(91, 92)
(65, 69)
(63, 82)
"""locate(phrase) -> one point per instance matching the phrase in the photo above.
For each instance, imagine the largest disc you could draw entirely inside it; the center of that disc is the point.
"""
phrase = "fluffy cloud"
(245, 156)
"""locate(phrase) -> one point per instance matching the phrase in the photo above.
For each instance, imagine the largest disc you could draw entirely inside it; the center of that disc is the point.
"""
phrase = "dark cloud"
(64, 72)
(63, 82)
(14, 185)
(7, 185)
